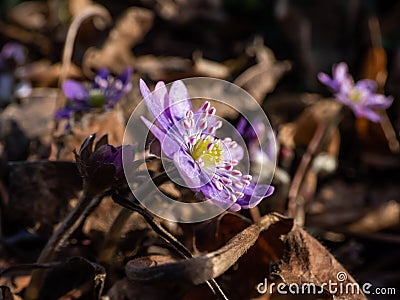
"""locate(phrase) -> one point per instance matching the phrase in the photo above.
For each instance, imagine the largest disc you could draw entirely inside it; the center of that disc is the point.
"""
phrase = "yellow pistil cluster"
(208, 151)
(354, 96)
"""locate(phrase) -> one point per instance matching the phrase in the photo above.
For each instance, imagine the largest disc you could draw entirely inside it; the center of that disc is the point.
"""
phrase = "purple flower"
(104, 92)
(101, 165)
(12, 53)
(361, 96)
(254, 134)
(205, 162)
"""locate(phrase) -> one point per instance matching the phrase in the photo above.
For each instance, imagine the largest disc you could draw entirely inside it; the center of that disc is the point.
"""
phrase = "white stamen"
(247, 177)
(233, 145)
(234, 162)
(189, 114)
(239, 194)
(245, 182)
(219, 185)
(192, 140)
(186, 124)
(226, 181)
(228, 167)
(236, 173)
(203, 124)
(238, 185)
(205, 106)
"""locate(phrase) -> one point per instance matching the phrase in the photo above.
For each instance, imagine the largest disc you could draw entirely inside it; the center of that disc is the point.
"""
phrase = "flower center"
(355, 96)
(208, 151)
(96, 98)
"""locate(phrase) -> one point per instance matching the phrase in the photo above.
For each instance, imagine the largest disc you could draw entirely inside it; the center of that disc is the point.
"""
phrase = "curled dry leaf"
(31, 15)
(167, 68)
(261, 79)
(305, 260)
(115, 53)
(199, 269)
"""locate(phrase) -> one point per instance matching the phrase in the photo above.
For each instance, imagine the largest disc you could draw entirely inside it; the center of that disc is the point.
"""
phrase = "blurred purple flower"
(104, 92)
(361, 96)
(254, 134)
(205, 162)
(12, 54)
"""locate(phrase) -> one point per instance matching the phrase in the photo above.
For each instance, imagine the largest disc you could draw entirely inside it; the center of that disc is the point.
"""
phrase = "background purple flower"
(254, 134)
(205, 162)
(12, 55)
(361, 96)
(104, 92)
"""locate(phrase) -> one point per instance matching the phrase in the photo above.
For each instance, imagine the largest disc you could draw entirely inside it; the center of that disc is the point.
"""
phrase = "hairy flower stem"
(168, 237)
(59, 237)
(110, 243)
(318, 139)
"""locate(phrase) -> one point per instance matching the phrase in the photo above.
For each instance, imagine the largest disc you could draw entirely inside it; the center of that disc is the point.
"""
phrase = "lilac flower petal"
(379, 101)
(366, 84)
(160, 91)
(254, 194)
(241, 126)
(367, 113)
(125, 76)
(328, 81)
(188, 169)
(179, 102)
(14, 51)
(341, 72)
(75, 91)
(168, 145)
(153, 104)
(158, 133)
(64, 113)
(219, 198)
(103, 73)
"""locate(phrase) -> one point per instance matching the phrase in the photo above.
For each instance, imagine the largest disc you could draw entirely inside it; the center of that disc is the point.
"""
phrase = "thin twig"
(317, 140)
(389, 133)
(91, 11)
(168, 237)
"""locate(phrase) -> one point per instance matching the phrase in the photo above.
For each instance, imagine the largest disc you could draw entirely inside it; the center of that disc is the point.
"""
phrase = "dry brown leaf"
(110, 122)
(261, 79)
(305, 260)
(35, 117)
(164, 68)
(115, 54)
(199, 269)
(45, 74)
